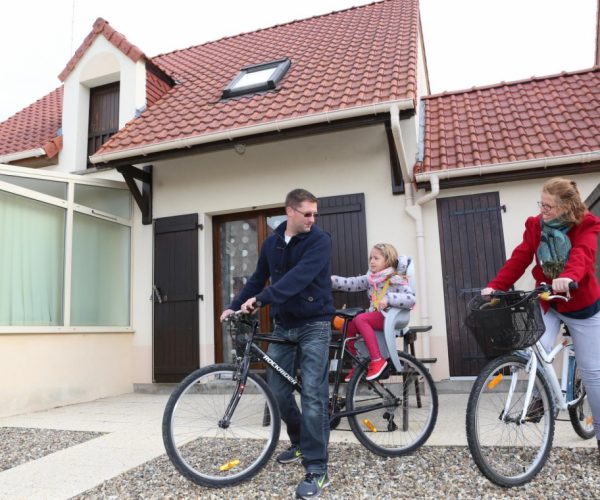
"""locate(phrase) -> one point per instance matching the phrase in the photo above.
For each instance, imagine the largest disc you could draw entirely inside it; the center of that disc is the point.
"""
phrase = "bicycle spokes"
(510, 424)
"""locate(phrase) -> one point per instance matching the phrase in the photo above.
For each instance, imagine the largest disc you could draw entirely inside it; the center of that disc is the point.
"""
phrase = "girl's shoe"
(376, 368)
(349, 376)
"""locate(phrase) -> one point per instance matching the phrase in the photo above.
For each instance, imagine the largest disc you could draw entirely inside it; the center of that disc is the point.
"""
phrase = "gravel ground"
(355, 473)
(19, 445)
(431, 472)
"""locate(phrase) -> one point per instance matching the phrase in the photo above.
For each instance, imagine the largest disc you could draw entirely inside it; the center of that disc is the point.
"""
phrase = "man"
(297, 260)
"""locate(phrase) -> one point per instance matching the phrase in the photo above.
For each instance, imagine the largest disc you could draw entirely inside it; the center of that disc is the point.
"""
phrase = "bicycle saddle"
(349, 313)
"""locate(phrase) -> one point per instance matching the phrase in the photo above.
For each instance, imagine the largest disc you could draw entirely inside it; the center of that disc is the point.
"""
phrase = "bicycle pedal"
(386, 373)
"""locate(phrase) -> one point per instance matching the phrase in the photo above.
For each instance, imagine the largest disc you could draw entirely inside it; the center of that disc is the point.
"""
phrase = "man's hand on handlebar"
(249, 306)
(225, 313)
(486, 292)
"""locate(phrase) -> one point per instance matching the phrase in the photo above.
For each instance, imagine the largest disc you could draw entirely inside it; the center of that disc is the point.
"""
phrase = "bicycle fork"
(531, 368)
(241, 375)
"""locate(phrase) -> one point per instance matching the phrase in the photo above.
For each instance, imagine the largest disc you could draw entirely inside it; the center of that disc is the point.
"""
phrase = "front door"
(472, 249)
(175, 296)
(593, 203)
(238, 238)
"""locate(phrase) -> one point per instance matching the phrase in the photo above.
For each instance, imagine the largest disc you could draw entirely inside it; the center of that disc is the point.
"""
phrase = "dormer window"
(257, 78)
(104, 116)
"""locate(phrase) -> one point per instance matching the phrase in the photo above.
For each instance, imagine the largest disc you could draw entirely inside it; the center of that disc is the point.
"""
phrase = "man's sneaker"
(312, 484)
(376, 368)
(292, 454)
(349, 376)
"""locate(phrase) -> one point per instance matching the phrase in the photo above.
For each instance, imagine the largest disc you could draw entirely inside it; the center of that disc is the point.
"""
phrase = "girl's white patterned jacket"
(399, 292)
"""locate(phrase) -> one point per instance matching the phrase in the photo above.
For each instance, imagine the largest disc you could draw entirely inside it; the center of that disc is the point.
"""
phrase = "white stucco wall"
(355, 161)
(41, 371)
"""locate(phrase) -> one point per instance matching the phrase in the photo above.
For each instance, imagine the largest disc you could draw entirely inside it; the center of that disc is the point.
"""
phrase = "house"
(209, 139)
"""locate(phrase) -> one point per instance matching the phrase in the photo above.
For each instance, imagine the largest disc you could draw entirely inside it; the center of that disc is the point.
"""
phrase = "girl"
(387, 286)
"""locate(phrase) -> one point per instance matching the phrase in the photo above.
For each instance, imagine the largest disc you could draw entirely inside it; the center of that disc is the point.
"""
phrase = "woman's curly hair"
(567, 196)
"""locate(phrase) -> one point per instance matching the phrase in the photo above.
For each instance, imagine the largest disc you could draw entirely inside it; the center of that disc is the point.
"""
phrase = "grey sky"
(467, 42)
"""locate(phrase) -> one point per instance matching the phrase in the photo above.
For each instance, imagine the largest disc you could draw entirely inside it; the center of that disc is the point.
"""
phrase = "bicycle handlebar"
(544, 292)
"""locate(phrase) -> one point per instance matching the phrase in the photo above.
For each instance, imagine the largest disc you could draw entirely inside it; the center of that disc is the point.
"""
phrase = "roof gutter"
(493, 168)
(21, 155)
(274, 126)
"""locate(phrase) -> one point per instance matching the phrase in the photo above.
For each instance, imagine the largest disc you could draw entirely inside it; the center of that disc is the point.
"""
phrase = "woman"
(563, 241)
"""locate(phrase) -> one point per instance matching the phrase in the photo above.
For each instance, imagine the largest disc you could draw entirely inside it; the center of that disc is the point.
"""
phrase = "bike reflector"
(494, 382)
(229, 465)
(368, 423)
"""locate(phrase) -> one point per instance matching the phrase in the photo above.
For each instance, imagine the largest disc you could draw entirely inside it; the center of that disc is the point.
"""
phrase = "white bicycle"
(517, 396)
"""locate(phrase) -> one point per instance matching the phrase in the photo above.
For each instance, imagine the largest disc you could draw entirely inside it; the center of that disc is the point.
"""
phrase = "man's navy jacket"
(300, 273)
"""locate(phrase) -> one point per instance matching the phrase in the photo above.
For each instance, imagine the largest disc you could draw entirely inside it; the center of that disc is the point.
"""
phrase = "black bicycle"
(221, 423)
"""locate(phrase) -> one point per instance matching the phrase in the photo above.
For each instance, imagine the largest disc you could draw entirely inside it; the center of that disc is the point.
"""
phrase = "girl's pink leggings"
(365, 324)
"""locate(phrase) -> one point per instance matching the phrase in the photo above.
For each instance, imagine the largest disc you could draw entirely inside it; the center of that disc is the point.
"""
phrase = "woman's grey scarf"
(554, 248)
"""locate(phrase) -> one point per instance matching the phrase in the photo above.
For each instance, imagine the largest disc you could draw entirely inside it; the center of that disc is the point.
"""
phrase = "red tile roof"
(155, 88)
(34, 127)
(359, 56)
(101, 27)
(537, 118)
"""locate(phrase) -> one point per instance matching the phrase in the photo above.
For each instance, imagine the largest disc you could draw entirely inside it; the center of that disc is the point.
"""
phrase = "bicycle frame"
(538, 357)
(252, 348)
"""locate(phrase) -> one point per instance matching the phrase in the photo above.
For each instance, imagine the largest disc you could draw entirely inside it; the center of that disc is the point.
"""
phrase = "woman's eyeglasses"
(544, 206)
(307, 215)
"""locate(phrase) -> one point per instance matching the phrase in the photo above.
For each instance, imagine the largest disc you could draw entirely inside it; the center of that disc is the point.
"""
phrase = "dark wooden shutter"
(344, 218)
(104, 115)
(472, 249)
(593, 203)
(176, 334)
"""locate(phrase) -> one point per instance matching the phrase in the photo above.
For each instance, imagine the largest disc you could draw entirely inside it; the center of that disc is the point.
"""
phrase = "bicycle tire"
(211, 454)
(580, 412)
(409, 413)
(498, 443)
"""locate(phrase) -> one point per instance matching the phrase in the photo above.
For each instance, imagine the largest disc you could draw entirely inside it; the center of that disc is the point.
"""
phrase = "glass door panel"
(238, 239)
(239, 253)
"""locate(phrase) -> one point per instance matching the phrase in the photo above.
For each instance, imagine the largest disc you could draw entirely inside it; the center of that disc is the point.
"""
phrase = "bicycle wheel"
(398, 411)
(508, 451)
(202, 447)
(580, 411)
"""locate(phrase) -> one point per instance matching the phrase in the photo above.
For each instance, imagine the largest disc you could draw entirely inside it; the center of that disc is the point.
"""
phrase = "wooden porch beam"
(143, 198)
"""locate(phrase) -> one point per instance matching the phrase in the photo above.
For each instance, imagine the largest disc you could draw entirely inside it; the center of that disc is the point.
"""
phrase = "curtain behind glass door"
(239, 254)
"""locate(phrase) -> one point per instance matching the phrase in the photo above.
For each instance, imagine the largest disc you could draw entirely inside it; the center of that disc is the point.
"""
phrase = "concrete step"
(449, 386)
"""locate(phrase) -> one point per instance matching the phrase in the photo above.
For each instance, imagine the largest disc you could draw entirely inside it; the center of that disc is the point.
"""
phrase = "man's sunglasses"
(307, 215)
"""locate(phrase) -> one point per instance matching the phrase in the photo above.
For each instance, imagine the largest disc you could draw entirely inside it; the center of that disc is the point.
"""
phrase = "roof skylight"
(257, 78)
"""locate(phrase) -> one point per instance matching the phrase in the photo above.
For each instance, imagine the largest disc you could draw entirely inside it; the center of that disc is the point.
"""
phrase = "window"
(104, 116)
(32, 254)
(65, 252)
(257, 78)
(100, 275)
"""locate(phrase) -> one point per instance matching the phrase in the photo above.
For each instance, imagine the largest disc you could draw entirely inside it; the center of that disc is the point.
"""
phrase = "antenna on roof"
(72, 26)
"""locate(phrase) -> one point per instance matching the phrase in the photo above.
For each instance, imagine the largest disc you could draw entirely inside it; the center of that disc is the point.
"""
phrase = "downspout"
(415, 211)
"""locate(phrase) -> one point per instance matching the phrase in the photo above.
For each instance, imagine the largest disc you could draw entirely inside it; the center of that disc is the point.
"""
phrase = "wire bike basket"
(506, 323)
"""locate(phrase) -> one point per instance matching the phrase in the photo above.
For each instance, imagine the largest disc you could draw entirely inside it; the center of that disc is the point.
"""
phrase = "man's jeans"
(309, 429)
